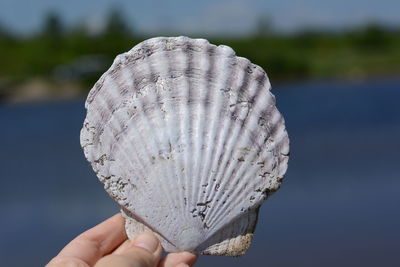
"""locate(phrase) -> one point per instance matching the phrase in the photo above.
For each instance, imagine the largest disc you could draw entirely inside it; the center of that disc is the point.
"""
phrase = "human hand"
(107, 245)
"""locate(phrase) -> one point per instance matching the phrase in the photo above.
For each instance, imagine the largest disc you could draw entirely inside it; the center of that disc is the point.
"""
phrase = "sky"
(212, 17)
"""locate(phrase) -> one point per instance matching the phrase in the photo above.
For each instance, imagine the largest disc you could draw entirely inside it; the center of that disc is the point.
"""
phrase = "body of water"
(338, 205)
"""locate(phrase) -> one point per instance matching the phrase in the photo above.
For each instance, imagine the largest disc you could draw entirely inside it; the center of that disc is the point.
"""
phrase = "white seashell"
(185, 136)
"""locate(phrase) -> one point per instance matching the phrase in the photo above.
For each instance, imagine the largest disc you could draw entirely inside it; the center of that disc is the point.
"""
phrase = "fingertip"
(123, 247)
(66, 261)
(147, 241)
(188, 258)
(132, 256)
(175, 259)
(118, 217)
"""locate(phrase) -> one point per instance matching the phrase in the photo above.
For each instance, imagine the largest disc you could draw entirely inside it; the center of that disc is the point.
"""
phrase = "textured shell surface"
(186, 137)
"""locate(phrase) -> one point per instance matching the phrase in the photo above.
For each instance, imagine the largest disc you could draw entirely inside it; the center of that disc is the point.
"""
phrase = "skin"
(107, 245)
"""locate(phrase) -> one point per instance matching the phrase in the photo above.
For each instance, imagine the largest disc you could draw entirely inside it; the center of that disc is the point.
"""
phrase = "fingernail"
(148, 241)
(182, 265)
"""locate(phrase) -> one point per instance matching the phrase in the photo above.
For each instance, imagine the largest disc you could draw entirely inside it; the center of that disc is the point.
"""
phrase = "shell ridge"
(105, 176)
(221, 59)
(133, 152)
(109, 73)
(180, 134)
(195, 111)
(202, 127)
(237, 173)
(226, 154)
(130, 151)
(99, 85)
(189, 128)
(136, 53)
(178, 154)
(275, 158)
(232, 168)
(116, 63)
(214, 140)
(142, 143)
(102, 111)
(186, 127)
(181, 59)
(142, 160)
(198, 121)
(164, 183)
(208, 88)
(216, 149)
(172, 169)
(223, 156)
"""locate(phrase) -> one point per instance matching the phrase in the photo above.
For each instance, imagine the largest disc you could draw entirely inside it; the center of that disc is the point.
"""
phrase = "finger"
(126, 244)
(144, 251)
(101, 240)
(66, 261)
(177, 259)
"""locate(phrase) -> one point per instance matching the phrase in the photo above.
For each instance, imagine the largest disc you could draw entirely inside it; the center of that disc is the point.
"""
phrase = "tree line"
(312, 53)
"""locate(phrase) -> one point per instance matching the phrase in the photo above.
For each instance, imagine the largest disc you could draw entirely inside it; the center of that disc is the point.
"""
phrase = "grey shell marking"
(186, 137)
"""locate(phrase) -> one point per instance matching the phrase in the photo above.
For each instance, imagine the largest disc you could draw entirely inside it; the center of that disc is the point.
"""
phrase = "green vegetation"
(359, 53)
(370, 51)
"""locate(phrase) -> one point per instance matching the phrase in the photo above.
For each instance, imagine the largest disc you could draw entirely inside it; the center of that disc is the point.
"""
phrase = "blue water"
(338, 205)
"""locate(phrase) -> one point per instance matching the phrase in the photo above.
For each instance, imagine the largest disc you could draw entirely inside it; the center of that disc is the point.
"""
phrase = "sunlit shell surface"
(185, 136)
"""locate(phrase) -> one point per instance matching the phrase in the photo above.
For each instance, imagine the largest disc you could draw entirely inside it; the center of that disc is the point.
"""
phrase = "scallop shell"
(185, 136)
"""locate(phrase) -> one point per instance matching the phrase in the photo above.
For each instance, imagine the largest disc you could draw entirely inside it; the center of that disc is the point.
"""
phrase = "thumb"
(144, 251)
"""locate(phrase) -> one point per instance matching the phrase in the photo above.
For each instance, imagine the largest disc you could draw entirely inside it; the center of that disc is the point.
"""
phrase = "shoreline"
(40, 90)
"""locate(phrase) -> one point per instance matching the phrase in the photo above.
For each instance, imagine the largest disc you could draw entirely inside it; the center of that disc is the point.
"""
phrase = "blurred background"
(335, 70)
